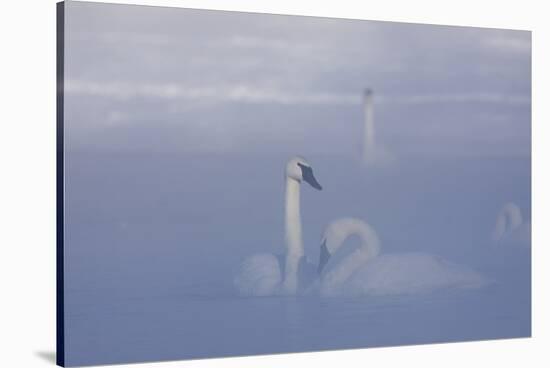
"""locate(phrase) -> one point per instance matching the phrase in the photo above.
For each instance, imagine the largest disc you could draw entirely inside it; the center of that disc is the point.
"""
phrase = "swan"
(510, 228)
(262, 274)
(365, 272)
(374, 154)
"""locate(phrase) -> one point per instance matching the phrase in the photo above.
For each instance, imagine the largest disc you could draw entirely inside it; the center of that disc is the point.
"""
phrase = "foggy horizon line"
(257, 95)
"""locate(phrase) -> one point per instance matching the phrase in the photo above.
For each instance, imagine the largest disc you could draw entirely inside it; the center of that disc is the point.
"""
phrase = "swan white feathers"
(264, 274)
(366, 272)
(510, 228)
(363, 271)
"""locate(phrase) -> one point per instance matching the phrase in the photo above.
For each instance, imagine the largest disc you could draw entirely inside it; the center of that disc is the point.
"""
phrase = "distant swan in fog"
(262, 274)
(364, 271)
(374, 154)
(510, 227)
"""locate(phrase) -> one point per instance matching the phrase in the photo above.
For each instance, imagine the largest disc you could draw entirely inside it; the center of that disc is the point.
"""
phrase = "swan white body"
(259, 275)
(365, 272)
(263, 274)
(510, 228)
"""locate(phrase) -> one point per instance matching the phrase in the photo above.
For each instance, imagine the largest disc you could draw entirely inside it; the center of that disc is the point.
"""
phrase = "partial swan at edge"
(510, 227)
(266, 274)
(364, 271)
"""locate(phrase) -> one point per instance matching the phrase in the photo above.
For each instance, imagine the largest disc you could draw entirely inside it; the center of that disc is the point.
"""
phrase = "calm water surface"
(153, 243)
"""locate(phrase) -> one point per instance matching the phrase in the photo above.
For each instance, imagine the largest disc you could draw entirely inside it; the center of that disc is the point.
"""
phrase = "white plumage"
(510, 228)
(365, 272)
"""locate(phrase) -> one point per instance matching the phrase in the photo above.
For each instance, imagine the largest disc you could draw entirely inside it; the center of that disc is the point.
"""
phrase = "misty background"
(225, 81)
(178, 125)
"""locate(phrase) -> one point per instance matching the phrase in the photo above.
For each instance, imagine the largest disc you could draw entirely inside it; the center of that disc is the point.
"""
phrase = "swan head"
(300, 170)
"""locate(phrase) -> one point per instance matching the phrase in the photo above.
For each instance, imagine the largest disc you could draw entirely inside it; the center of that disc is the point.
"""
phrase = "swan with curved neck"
(510, 226)
(335, 235)
(261, 274)
(364, 271)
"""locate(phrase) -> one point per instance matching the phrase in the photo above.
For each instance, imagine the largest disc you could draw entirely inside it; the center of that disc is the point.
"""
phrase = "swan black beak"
(307, 175)
(324, 257)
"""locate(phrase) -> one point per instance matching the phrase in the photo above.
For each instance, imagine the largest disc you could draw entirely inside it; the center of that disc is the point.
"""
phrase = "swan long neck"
(293, 235)
(336, 235)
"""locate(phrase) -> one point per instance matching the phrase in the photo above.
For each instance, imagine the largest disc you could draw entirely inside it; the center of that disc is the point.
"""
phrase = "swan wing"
(411, 273)
(258, 275)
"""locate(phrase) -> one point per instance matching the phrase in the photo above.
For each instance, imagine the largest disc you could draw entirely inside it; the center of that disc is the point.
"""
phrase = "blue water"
(153, 242)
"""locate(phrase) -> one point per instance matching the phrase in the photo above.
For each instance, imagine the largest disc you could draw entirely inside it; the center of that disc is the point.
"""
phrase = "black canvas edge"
(60, 292)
